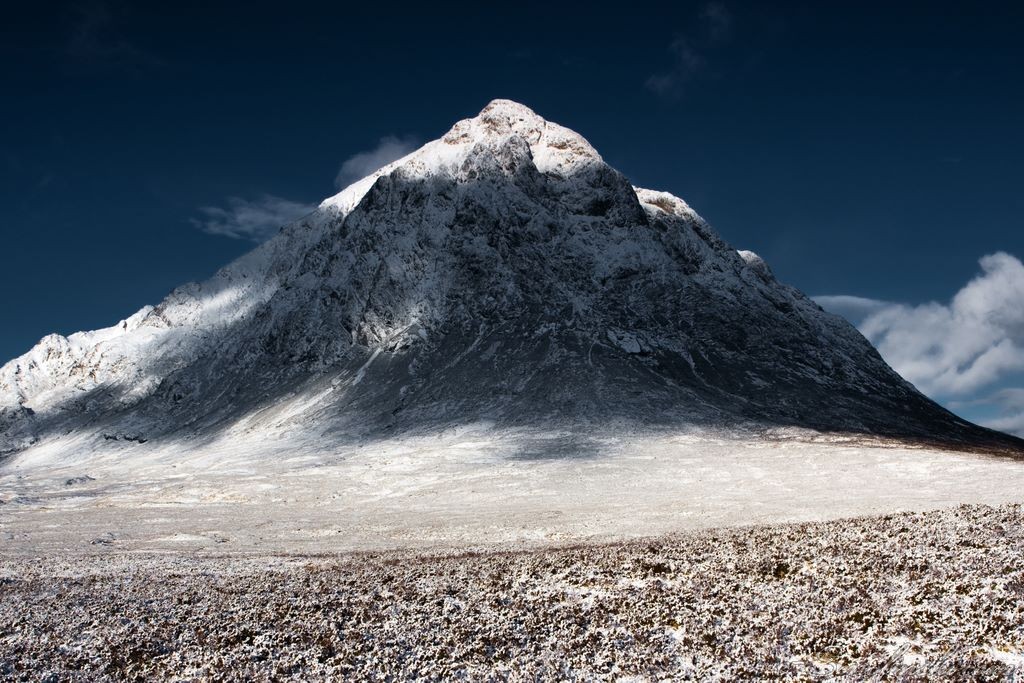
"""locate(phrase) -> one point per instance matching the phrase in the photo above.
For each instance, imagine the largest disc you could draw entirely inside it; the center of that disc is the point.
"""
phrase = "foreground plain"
(908, 596)
(472, 488)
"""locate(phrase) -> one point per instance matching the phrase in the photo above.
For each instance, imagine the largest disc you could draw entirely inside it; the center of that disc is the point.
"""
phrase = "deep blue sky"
(875, 150)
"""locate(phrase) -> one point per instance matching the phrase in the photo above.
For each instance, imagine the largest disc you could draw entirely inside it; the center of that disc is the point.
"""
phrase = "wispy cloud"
(96, 41)
(360, 165)
(1009, 408)
(687, 63)
(958, 349)
(1011, 403)
(255, 220)
(854, 308)
(260, 219)
(717, 21)
(690, 50)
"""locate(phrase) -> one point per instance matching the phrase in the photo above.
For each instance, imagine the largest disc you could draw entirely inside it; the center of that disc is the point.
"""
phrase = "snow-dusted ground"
(935, 596)
(464, 488)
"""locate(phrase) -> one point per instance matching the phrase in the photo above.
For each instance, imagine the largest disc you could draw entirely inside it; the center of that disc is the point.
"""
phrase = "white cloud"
(954, 350)
(360, 165)
(1011, 424)
(255, 220)
(1011, 406)
(1009, 398)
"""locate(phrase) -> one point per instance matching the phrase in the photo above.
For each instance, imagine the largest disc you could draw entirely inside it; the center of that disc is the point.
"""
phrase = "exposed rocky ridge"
(503, 273)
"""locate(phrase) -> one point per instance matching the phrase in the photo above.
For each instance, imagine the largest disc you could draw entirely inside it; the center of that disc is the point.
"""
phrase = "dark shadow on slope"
(558, 447)
(561, 404)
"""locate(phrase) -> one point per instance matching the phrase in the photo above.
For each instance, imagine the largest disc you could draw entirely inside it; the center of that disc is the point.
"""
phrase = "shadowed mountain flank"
(504, 274)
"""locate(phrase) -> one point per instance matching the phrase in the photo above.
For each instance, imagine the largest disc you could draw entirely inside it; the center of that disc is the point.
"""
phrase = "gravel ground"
(910, 596)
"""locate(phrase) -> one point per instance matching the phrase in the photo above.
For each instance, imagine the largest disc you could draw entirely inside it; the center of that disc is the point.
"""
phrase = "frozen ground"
(906, 597)
(465, 488)
(486, 555)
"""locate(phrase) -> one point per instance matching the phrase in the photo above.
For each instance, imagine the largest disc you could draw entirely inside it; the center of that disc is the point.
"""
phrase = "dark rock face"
(503, 273)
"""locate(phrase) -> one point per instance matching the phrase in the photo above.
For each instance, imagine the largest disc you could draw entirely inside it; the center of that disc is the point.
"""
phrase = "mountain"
(503, 274)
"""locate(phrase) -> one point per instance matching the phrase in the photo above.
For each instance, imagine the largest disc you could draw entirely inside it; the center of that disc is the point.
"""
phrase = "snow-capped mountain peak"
(500, 128)
(501, 273)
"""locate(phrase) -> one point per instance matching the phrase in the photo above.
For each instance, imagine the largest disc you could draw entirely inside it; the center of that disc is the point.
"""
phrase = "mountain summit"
(503, 273)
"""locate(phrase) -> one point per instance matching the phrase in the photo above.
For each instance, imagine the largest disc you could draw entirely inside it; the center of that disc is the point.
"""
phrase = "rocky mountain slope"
(503, 274)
